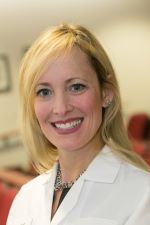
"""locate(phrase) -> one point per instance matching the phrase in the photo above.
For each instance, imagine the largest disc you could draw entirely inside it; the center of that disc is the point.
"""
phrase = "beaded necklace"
(59, 185)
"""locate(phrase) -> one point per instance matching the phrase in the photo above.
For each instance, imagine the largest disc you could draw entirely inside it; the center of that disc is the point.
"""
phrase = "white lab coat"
(110, 192)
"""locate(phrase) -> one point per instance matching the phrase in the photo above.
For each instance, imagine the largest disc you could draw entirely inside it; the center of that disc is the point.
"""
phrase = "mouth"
(68, 124)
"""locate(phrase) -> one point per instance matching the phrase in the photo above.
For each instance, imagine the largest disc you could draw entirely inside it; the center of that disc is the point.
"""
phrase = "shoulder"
(138, 175)
(29, 196)
(38, 181)
(127, 172)
(34, 188)
(133, 177)
(30, 193)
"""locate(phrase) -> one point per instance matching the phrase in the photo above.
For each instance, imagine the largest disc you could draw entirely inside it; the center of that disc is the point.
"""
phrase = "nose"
(61, 104)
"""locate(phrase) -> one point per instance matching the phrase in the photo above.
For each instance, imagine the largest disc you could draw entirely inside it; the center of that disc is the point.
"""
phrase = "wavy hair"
(60, 40)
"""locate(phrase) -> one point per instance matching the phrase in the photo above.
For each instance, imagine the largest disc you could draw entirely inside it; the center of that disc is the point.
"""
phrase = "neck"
(73, 163)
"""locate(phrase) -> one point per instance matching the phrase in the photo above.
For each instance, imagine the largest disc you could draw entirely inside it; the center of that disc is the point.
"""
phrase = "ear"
(107, 97)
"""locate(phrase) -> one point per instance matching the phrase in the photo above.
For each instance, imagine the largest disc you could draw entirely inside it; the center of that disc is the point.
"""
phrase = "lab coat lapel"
(69, 202)
(47, 198)
(104, 168)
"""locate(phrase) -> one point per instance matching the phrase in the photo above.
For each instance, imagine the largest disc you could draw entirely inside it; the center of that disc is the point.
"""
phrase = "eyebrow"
(43, 84)
(46, 84)
(75, 78)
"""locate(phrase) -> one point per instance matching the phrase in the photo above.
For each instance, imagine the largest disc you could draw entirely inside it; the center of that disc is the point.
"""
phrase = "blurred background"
(123, 28)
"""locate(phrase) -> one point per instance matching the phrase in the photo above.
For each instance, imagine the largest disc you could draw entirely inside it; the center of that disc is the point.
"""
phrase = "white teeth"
(68, 125)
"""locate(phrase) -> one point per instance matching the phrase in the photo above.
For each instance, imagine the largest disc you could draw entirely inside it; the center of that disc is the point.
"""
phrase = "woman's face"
(68, 102)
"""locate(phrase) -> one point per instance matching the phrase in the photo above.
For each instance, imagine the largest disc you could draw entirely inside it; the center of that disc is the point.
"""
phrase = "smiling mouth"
(67, 125)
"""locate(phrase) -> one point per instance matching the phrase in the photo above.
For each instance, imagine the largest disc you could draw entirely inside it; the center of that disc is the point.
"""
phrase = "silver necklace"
(59, 185)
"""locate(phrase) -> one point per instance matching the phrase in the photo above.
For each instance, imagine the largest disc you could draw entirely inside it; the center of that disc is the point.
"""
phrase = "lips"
(67, 124)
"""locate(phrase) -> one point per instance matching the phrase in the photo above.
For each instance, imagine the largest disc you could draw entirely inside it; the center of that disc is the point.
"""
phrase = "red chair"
(5, 203)
(136, 126)
(139, 133)
(2, 190)
(2, 197)
(2, 194)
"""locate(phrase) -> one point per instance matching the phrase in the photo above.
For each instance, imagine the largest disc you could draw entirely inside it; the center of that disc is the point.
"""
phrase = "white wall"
(128, 45)
(9, 114)
(9, 100)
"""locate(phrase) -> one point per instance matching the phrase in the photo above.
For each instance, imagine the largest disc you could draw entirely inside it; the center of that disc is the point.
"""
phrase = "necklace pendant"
(59, 185)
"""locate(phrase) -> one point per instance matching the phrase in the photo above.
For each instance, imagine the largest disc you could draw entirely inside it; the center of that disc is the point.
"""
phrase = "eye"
(77, 88)
(44, 92)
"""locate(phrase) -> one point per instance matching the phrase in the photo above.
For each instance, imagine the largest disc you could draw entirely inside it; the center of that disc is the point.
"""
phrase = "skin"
(68, 106)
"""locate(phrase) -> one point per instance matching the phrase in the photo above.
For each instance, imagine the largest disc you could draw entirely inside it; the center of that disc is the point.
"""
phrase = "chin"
(69, 147)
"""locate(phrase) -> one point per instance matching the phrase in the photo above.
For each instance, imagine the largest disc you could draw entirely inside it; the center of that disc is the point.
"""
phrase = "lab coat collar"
(104, 168)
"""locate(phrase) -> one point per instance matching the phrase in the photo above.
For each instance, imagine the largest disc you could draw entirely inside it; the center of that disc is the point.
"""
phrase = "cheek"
(40, 111)
(91, 103)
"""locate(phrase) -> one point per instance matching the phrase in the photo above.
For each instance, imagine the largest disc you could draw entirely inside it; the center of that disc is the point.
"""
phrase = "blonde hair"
(60, 40)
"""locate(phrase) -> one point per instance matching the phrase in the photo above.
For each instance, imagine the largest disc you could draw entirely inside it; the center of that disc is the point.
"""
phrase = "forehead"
(72, 63)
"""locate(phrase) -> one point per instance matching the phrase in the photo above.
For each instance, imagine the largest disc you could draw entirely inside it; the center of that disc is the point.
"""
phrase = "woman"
(72, 122)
